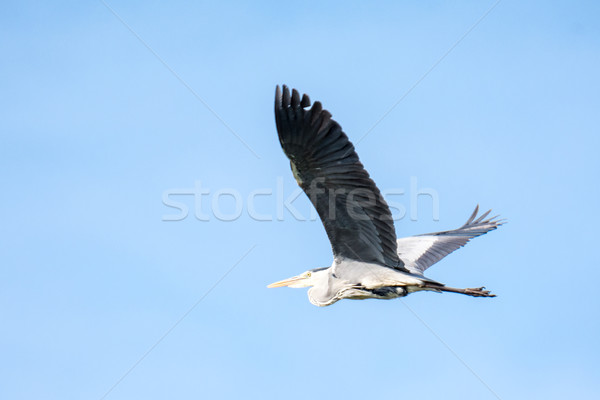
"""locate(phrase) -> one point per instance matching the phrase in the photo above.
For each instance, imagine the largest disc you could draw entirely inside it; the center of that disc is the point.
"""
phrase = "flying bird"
(368, 260)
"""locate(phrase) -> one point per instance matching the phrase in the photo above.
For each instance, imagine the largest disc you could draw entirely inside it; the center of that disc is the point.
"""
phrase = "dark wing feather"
(422, 251)
(357, 219)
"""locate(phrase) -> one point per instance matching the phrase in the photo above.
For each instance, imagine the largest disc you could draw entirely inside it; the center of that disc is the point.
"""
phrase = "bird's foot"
(478, 292)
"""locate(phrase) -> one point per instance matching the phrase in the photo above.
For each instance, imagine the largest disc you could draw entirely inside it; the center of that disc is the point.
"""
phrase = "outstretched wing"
(355, 215)
(422, 251)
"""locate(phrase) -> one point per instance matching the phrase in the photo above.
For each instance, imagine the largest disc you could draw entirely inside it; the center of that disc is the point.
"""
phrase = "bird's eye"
(308, 274)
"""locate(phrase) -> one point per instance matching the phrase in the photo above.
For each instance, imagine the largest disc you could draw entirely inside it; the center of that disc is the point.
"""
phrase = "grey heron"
(368, 260)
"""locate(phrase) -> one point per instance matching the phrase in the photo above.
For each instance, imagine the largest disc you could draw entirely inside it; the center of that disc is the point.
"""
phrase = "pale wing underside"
(422, 251)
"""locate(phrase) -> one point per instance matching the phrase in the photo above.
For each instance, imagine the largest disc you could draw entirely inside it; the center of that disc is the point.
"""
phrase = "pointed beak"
(285, 282)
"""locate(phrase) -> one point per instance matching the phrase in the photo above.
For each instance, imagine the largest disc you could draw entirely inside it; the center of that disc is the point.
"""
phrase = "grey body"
(351, 279)
(369, 262)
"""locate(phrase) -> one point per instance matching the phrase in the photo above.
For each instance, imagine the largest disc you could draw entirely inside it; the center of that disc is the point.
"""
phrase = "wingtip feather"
(472, 217)
(277, 97)
(285, 97)
(482, 217)
(295, 102)
(305, 101)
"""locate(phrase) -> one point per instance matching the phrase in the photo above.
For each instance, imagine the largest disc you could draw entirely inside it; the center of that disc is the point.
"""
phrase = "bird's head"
(305, 279)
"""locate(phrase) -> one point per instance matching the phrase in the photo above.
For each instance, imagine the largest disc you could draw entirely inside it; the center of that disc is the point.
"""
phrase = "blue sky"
(95, 129)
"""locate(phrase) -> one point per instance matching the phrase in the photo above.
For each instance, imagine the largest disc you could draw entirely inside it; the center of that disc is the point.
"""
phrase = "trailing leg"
(475, 292)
